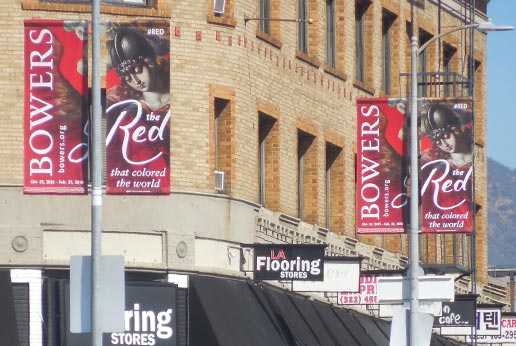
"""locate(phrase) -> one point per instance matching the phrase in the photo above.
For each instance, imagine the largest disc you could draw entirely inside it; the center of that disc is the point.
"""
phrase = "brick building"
(269, 109)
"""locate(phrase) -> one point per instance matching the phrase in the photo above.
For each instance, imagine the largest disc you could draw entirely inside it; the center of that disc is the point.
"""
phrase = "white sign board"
(396, 289)
(339, 275)
(112, 286)
(456, 331)
(367, 293)
(432, 308)
(399, 333)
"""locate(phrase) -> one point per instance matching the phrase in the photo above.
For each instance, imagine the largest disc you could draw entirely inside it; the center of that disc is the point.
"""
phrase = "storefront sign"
(507, 335)
(150, 318)
(367, 293)
(459, 313)
(339, 275)
(488, 325)
(381, 191)
(289, 262)
(56, 99)
(138, 108)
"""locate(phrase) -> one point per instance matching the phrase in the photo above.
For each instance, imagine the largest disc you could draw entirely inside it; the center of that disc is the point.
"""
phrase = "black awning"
(299, 329)
(231, 312)
(8, 328)
(227, 313)
(338, 330)
(309, 314)
(353, 325)
(372, 329)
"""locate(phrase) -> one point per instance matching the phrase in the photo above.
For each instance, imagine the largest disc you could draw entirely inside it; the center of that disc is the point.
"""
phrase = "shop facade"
(190, 310)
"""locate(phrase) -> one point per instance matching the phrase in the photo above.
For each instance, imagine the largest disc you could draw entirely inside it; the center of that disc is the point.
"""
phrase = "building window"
(222, 147)
(387, 24)
(268, 161)
(334, 188)
(307, 176)
(222, 115)
(448, 80)
(221, 12)
(302, 26)
(330, 33)
(264, 11)
(422, 65)
(360, 39)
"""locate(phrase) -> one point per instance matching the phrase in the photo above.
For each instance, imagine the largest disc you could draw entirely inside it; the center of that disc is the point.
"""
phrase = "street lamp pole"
(413, 274)
(96, 181)
(414, 199)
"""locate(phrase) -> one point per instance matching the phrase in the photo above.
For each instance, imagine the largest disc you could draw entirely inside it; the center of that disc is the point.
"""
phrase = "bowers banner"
(381, 191)
(56, 104)
(138, 108)
(446, 165)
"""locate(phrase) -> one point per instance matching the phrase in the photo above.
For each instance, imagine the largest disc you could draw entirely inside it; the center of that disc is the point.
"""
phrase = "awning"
(372, 329)
(297, 326)
(312, 318)
(226, 313)
(340, 332)
(359, 332)
(8, 328)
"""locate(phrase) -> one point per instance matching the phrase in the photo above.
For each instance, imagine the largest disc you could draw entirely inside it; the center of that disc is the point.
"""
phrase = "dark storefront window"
(21, 310)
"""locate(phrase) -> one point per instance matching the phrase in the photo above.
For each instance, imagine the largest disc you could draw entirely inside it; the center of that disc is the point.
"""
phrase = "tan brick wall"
(223, 56)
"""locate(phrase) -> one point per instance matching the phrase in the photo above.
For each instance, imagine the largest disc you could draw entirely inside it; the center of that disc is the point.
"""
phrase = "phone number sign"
(507, 335)
(367, 293)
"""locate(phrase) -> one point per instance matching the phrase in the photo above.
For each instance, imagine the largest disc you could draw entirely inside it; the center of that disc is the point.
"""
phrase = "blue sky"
(501, 84)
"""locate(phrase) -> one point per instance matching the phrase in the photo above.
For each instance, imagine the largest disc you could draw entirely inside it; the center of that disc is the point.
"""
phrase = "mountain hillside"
(501, 214)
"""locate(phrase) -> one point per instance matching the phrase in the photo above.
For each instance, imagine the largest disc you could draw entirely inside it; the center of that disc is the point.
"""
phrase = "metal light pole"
(414, 200)
(96, 191)
(414, 168)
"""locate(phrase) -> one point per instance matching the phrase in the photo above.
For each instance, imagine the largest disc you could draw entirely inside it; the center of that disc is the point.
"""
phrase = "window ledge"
(84, 8)
(269, 39)
(364, 86)
(308, 59)
(227, 21)
(335, 72)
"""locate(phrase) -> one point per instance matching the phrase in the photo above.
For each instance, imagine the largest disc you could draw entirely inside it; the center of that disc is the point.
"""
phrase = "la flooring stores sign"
(289, 262)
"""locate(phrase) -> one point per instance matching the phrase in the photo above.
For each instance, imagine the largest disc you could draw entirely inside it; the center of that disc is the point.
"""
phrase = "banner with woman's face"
(138, 108)
(446, 165)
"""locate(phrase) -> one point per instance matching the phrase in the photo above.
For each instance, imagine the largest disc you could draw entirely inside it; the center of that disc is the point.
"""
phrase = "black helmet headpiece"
(439, 120)
(128, 51)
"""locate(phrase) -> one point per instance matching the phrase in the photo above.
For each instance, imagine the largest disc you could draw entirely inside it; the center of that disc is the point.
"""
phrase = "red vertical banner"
(381, 189)
(446, 165)
(56, 106)
(138, 108)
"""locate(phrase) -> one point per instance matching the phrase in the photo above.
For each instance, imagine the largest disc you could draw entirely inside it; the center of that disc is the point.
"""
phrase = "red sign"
(138, 109)
(56, 90)
(381, 191)
(446, 166)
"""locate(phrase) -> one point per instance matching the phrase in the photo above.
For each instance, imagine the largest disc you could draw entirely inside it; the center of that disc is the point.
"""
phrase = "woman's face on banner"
(448, 143)
(141, 79)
